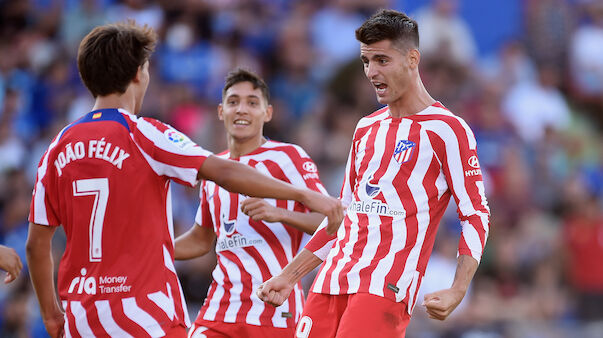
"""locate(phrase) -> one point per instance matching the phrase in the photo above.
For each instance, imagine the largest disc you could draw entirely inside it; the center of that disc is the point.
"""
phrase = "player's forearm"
(465, 269)
(240, 178)
(304, 262)
(194, 243)
(307, 222)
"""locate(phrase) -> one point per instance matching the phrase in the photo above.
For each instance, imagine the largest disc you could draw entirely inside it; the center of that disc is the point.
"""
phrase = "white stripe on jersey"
(140, 317)
(164, 302)
(106, 319)
(40, 216)
(66, 325)
(81, 321)
(214, 302)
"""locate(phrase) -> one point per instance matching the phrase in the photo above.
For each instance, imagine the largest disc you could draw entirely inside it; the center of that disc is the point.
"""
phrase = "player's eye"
(231, 102)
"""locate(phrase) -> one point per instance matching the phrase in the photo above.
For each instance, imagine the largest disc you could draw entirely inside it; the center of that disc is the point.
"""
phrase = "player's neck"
(413, 101)
(126, 101)
(238, 148)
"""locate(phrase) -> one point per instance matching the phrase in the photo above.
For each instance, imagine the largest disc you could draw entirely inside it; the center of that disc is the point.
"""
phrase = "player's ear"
(414, 57)
(268, 116)
(220, 110)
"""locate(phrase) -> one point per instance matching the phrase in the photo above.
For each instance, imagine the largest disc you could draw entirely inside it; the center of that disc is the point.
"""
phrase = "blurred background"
(526, 75)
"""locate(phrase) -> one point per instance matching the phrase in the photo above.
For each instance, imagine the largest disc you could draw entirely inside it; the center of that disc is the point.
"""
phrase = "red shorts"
(355, 315)
(205, 328)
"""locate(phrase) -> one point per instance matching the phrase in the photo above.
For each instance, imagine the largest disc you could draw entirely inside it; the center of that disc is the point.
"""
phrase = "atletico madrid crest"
(404, 150)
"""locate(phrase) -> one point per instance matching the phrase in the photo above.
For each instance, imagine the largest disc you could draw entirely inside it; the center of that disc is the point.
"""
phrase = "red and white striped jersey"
(106, 179)
(250, 252)
(399, 178)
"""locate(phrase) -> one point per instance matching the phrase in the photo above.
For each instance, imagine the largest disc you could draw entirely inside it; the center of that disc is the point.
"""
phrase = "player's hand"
(274, 291)
(10, 262)
(260, 210)
(55, 325)
(440, 304)
(328, 206)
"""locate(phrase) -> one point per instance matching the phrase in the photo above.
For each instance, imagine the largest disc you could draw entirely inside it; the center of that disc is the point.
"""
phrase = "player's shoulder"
(441, 117)
(376, 116)
(288, 149)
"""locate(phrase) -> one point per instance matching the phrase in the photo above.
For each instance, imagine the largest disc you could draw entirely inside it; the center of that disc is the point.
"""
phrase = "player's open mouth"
(242, 122)
(380, 87)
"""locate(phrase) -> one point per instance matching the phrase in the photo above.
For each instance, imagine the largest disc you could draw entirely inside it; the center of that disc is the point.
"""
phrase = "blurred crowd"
(534, 102)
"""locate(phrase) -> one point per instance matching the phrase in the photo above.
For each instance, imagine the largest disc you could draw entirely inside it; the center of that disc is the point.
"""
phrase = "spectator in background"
(586, 57)
(444, 34)
(532, 107)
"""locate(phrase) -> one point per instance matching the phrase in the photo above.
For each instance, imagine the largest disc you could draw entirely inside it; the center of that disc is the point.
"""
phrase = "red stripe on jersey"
(358, 247)
(268, 312)
(400, 183)
(367, 157)
(246, 279)
(205, 211)
(93, 321)
(70, 318)
(268, 236)
(469, 184)
(327, 282)
(217, 208)
(125, 323)
(436, 211)
(378, 112)
(210, 295)
(164, 156)
(224, 301)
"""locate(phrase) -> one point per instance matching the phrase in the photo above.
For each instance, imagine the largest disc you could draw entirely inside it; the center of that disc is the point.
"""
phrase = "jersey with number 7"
(106, 179)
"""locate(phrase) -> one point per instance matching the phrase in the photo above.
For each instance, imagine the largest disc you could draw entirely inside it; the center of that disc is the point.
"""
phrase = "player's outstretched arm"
(440, 304)
(41, 270)
(277, 289)
(240, 178)
(260, 210)
(196, 242)
(10, 262)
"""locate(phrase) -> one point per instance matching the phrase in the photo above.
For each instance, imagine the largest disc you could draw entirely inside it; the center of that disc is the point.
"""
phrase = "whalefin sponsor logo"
(371, 189)
(236, 241)
(374, 207)
(228, 225)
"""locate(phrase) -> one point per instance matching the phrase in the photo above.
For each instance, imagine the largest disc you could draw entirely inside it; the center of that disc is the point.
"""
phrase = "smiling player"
(256, 238)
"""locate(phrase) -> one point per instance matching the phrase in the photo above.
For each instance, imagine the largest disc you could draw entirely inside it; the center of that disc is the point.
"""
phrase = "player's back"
(103, 186)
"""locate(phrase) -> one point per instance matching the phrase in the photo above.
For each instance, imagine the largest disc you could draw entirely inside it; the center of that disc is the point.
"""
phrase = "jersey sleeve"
(321, 242)
(169, 152)
(308, 171)
(203, 217)
(456, 148)
(42, 208)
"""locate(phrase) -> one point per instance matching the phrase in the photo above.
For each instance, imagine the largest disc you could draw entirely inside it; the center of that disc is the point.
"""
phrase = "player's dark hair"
(242, 75)
(391, 25)
(109, 56)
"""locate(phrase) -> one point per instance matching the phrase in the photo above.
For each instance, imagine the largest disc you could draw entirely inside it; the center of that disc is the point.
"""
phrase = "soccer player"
(256, 238)
(406, 161)
(106, 179)
(10, 262)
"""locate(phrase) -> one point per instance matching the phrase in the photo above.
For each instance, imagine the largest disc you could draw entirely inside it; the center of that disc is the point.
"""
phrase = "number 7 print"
(99, 188)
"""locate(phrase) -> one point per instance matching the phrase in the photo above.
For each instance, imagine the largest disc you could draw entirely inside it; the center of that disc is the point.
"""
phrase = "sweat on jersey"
(399, 178)
(250, 252)
(106, 179)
